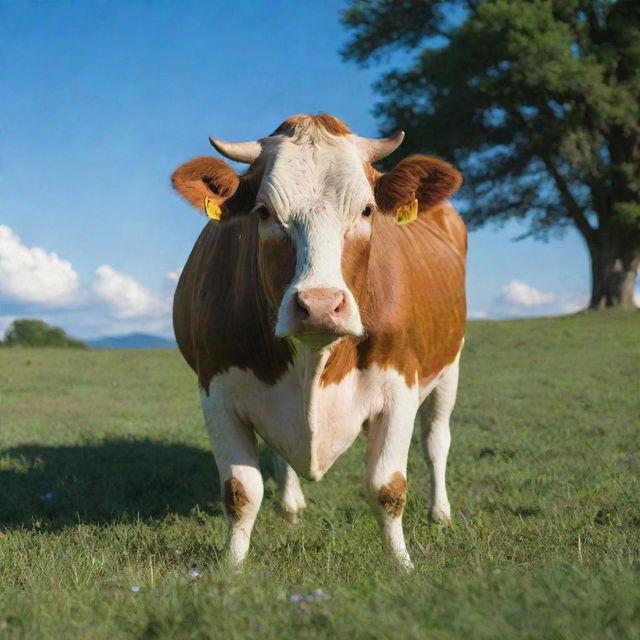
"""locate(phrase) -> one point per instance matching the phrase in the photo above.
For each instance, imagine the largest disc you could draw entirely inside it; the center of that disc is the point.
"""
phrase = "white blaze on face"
(316, 190)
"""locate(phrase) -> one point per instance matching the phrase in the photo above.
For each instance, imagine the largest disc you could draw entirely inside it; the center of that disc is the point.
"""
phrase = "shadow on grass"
(115, 480)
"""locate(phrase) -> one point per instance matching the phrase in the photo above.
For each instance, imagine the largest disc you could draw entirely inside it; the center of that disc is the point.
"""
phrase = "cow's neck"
(324, 445)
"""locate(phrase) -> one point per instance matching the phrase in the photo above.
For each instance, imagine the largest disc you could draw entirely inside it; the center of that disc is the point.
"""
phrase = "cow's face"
(314, 204)
(314, 195)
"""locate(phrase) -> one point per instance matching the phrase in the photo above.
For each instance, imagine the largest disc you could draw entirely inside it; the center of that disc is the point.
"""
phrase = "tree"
(36, 333)
(538, 103)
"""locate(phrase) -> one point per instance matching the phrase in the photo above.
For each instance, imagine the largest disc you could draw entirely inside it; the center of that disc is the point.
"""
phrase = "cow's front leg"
(235, 450)
(291, 496)
(388, 440)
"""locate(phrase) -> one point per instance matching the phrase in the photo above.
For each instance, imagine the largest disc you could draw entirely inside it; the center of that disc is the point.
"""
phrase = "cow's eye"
(366, 212)
(262, 211)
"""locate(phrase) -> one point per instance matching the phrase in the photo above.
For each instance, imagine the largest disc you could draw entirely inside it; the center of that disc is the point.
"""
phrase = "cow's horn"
(374, 149)
(246, 152)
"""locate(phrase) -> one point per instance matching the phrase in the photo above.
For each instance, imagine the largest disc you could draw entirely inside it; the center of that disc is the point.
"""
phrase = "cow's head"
(315, 195)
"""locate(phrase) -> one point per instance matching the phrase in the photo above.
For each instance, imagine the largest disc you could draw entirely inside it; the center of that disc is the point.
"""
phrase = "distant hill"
(132, 341)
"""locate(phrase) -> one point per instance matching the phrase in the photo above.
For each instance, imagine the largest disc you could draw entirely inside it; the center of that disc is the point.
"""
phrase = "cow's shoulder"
(445, 217)
(221, 316)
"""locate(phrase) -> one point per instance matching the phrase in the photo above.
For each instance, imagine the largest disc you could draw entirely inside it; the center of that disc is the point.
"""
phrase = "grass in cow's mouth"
(108, 504)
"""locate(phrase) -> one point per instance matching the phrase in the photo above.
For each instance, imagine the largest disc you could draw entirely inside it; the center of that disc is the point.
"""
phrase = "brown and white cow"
(309, 314)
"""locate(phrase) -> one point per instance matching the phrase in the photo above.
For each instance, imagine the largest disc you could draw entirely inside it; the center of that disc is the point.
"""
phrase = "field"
(107, 483)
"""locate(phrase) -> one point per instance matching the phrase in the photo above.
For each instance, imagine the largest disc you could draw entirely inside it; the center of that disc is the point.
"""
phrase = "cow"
(322, 299)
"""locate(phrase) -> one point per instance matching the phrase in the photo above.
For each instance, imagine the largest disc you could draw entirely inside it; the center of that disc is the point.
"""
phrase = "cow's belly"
(310, 426)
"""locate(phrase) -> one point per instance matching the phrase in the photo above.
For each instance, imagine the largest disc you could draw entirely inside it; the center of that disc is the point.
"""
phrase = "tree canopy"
(36, 333)
(537, 102)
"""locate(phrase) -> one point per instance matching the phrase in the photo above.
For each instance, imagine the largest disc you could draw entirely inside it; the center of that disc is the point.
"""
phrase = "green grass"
(543, 481)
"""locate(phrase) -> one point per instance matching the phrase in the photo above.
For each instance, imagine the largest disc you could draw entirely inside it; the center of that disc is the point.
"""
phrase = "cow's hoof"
(441, 514)
(404, 562)
(232, 563)
(292, 503)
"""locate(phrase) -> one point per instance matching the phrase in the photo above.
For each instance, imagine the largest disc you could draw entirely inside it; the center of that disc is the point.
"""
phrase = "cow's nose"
(320, 309)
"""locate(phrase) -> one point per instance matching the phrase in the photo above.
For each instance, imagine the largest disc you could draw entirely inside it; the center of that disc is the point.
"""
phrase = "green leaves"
(36, 333)
(511, 89)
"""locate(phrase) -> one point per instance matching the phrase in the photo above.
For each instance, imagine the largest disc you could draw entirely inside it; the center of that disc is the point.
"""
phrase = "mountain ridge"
(131, 341)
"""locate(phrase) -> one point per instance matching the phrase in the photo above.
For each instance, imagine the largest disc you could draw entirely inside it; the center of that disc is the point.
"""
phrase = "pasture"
(107, 483)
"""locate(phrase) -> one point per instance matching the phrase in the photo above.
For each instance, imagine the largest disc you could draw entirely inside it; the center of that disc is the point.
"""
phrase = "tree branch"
(471, 6)
(575, 211)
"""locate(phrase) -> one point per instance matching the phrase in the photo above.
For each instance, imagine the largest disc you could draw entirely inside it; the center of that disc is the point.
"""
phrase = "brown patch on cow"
(372, 174)
(428, 179)
(295, 125)
(410, 287)
(444, 216)
(221, 281)
(205, 177)
(242, 201)
(393, 495)
(234, 497)
(412, 303)
(342, 360)
(213, 178)
(221, 314)
(355, 267)
(277, 267)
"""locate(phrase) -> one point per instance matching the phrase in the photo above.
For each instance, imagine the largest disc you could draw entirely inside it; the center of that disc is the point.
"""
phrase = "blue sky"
(102, 100)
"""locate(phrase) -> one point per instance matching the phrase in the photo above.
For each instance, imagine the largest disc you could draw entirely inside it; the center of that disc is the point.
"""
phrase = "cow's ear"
(414, 185)
(206, 183)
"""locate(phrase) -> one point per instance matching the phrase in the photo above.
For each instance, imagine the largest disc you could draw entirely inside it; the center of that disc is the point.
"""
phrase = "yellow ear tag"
(406, 214)
(212, 209)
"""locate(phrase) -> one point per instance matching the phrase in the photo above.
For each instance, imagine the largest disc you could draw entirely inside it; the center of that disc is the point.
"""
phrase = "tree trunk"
(615, 258)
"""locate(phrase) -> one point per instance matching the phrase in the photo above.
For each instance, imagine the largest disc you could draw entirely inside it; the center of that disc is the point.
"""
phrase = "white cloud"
(126, 296)
(32, 275)
(520, 300)
(174, 276)
(519, 294)
(38, 283)
(573, 303)
(477, 315)
(636, 297)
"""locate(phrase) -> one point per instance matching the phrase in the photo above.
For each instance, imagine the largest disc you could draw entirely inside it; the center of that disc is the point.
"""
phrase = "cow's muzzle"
(319, 316)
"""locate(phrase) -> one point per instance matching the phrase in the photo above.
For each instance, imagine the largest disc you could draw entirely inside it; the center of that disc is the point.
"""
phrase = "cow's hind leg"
(388, 440)
(235, 450)
(291, 496)
(436, 438)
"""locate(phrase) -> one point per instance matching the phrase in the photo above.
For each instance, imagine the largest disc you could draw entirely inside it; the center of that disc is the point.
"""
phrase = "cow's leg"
(436, 438)
(388, 440)
(235, 450)
(291, 496)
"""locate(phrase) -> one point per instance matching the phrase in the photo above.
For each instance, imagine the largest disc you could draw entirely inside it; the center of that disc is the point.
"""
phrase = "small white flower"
(135, 588)
(319, 594)
(194, 573)
(176, 552)
(296, 597)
